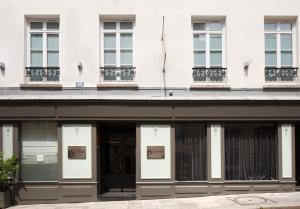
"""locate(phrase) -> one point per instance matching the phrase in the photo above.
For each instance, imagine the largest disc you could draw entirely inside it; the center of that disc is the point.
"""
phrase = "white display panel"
(287, 159)
(7, 136)
(216, 151)
(77, 135)
(156, 135)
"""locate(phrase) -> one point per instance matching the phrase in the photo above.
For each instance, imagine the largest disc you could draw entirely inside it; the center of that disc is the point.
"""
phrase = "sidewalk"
(265, 200)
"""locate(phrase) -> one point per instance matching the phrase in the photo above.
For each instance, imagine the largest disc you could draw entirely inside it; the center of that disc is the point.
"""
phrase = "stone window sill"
(281, 86)
(209, 86)
(133, 86)
(41, 86)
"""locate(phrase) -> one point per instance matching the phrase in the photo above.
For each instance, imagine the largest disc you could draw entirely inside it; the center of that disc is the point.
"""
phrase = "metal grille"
(214, 74)
(42, 74)
(283, 74)
(118, 73)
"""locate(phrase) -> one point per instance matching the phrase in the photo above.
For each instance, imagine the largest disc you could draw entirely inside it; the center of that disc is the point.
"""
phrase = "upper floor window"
(43, 51)
(280, 60)
(209, 44)
(117, 48)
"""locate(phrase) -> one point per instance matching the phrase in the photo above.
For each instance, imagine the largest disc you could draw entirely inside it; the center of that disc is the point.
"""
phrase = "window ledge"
(281, 86)
(209, 86)
(41, 86)
(133, 86)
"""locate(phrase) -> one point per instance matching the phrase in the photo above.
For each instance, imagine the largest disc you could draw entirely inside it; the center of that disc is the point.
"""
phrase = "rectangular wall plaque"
(77, 152)
(155, 152)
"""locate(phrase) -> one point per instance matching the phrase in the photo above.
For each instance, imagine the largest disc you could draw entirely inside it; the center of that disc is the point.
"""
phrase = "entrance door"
(118, 159)
(120, 168)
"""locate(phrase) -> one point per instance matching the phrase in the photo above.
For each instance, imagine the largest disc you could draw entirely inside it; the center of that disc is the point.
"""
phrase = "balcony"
(118, 74)
(42, 74)
(213, 74)
(283, 74)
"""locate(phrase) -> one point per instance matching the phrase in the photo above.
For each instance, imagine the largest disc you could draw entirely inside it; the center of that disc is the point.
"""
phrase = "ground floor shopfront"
(74, 151)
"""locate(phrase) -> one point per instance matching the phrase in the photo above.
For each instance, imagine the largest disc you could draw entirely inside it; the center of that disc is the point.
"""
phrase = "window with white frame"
(280, 60)
(208, 44)
(117, 51)
(42, 50)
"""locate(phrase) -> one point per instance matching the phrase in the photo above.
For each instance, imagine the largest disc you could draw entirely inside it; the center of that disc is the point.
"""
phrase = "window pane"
(270, 26)
(36, 42)
(199, 26)
(217, 26)
(126, 57)
(52, 42)
(109, 41)
(286, 41)
(36, 59)
(270, 42)
(199, 41)
(216, 42)
(53, 59)
(271, 58)
(215, 58)
(126, 25)
(250, 152)
(52, 25)
(285, 26)
(190, 152)
(286, 58)
(199, 58)
(36, 25)
(126, 41)
(39, 151)
(109, 25)
(110, 57)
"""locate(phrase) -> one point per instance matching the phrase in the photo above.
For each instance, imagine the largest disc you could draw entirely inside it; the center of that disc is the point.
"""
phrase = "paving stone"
(282, 200)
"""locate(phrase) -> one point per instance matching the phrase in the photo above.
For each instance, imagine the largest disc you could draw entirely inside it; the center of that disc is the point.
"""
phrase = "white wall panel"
(80, 42)
(216, 159)
(7, 131)
(77, 135)
(155, 135)
(287, 158)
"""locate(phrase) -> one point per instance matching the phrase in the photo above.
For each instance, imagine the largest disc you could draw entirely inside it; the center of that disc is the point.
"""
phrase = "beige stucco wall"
(79, 37)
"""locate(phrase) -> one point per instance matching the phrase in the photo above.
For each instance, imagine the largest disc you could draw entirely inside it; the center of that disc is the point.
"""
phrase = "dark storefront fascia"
(148, 112)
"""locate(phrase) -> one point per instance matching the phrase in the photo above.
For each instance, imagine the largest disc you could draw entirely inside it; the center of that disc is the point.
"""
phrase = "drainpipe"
(164, 56)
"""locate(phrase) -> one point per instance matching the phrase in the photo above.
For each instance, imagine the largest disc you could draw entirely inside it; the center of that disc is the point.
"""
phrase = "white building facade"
(156, 99)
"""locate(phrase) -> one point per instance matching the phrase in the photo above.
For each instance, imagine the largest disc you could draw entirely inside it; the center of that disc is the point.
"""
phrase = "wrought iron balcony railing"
(124, 73)
(283, 74)
(213, 74)
(42, 74)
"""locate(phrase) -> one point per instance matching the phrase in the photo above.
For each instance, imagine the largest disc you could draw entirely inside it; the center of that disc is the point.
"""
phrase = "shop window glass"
(250, 152)
(191, 152)
(39, 151)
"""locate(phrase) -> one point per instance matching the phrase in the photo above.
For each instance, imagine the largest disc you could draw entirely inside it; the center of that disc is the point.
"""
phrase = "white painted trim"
(7, 137)
(77, 135)
(155, 135)
(287, 158)
(216, 150)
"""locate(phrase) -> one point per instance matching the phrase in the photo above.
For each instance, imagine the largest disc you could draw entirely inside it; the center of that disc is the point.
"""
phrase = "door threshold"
(117, 196)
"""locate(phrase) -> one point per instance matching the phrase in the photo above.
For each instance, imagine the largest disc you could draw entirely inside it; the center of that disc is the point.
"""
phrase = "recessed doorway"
(116, 156)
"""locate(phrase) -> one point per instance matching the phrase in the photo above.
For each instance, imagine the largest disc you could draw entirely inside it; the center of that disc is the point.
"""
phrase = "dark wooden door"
(120, 164)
